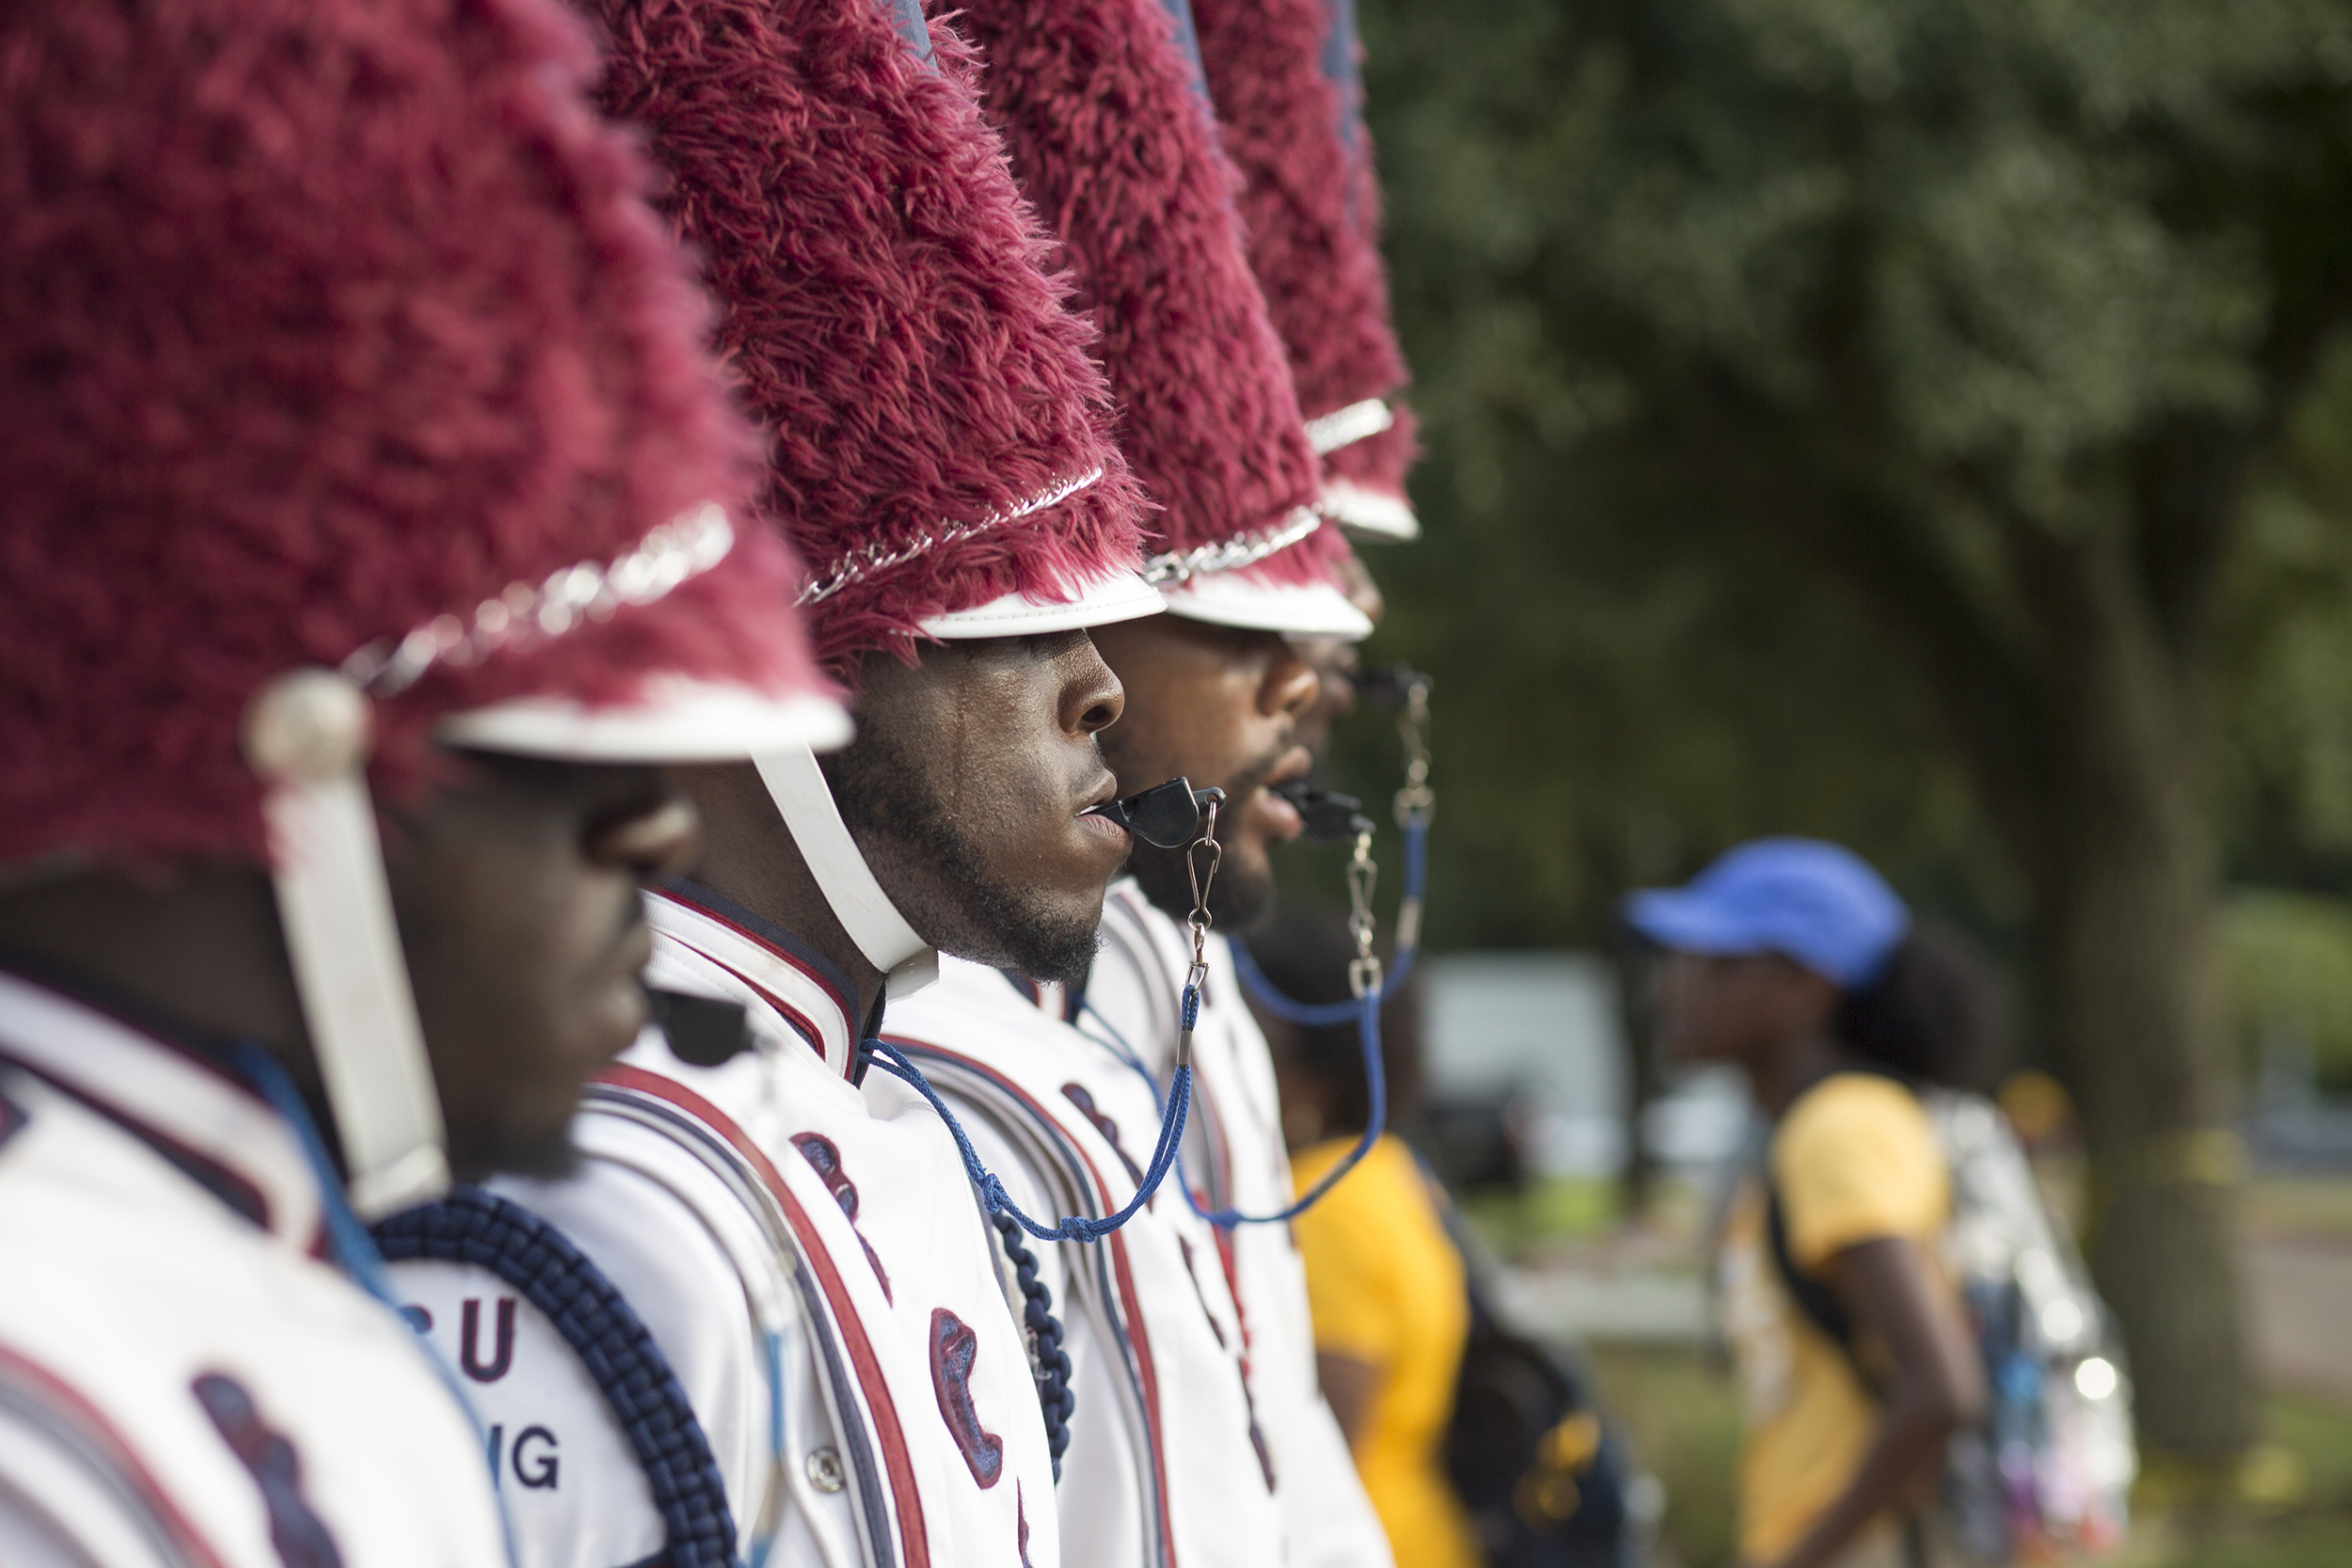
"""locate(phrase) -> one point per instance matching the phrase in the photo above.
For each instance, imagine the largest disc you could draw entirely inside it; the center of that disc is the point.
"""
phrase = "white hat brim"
(1099, 602)
(1293, 609)
(1374, 514)
(676, 720)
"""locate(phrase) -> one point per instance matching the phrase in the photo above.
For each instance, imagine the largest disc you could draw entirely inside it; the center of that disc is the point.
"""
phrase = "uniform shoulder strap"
(618, 1352)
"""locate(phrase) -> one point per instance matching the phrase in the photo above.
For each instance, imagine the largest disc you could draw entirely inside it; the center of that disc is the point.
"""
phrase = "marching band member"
(767, 1320)
(1183, 1449)
(1286, 81)
(369, 535)
(1225, 690)
(1285, 77)
(1282, 75)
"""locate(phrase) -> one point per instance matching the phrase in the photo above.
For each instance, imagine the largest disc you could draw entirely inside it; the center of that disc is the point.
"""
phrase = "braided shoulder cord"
(614, 1347)
(1055, 1396)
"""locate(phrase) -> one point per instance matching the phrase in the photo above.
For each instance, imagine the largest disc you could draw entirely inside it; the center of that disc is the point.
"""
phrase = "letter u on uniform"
(469, 1341)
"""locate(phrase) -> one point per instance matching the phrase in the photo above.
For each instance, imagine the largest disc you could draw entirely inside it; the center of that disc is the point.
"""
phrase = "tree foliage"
(1957, 259)
(1916, 424)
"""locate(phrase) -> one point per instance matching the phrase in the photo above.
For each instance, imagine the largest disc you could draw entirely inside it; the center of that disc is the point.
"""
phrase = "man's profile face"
(1222, 707)
(966, 789)
(516, 891)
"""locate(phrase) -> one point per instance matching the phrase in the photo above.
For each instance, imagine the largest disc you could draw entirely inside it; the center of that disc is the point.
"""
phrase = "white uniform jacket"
(813, 1270)
(1235, 1159)
(1166, 1466)
(182, 1381)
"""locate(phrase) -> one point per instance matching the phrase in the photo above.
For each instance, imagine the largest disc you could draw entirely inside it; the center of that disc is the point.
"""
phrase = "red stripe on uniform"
(846, 1004)
(1147, 1372)
(891, 1435)
(63, 1397)
(801, 1024)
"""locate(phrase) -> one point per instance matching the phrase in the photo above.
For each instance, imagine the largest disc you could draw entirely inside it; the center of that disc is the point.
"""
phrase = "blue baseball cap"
(1814, 902)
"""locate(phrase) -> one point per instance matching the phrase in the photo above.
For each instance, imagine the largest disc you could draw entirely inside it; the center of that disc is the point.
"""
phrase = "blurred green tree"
(2287, 962)
(1851, 419)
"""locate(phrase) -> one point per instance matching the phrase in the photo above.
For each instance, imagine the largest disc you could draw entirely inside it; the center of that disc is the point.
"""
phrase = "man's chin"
(512, 1151)
(1060, 949)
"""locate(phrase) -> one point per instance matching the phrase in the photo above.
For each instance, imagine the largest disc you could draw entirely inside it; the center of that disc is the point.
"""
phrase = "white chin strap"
(881, 933)
(307, 736)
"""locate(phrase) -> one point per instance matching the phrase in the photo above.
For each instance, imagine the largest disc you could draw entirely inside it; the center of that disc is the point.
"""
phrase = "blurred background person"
(1793, 961)
(1925, 428)
(1384, 1282)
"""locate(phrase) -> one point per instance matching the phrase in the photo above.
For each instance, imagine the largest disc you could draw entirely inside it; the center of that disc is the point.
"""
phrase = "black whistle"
(1389, 687)
(1167, 816)
(1331, 817)
(702, 1031)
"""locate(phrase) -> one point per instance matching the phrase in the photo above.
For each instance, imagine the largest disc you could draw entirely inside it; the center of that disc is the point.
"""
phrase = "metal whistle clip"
(1331, 817)
(1175, 816)
(1167, 816)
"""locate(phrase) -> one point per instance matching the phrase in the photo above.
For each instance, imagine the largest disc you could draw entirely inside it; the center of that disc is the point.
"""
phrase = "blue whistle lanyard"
(1365, 1009)
(355, 1250)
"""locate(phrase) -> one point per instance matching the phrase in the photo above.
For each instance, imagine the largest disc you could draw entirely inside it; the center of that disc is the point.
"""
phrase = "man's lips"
(619, 994)
(1296, 763)
(634, 951)
(1104, 826)
(1281, 817)
(625, 963)
(1104, 791)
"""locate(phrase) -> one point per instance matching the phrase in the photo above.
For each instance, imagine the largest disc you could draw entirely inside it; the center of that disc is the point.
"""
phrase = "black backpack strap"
(1821, 1308)
(480, 1228)
(1813, 1297)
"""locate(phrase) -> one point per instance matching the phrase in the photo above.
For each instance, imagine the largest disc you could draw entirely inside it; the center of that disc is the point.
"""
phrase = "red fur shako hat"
(294, 376)
(351, 399)
(1102, 105)
(1284, 79)
(940, 453)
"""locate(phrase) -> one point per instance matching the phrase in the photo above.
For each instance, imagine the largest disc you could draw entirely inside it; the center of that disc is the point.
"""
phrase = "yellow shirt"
(1386, 1288)
(1856, 1159)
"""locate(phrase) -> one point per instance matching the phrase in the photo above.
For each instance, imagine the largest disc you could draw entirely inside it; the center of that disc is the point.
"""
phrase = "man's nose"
(1092, 698)
(1290, 688)
(650, 843)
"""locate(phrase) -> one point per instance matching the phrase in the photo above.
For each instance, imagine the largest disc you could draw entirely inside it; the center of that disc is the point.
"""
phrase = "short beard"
(548, 1157)
(879, 790)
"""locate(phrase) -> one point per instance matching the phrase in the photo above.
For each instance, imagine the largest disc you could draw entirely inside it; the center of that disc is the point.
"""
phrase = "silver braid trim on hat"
(1228, 555)
(1343, 427)
(678, 551)
(862, 564)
